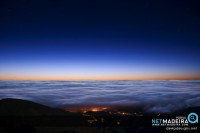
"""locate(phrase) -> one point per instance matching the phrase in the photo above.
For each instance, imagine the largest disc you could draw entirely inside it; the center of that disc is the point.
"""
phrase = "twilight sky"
(111, 39)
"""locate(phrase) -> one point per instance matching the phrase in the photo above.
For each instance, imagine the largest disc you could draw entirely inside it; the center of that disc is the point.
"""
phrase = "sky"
(99, 40)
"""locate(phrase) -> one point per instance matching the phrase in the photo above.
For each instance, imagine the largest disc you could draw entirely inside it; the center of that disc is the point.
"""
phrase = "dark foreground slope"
(17, 111)
(18, 107)
(21, 116)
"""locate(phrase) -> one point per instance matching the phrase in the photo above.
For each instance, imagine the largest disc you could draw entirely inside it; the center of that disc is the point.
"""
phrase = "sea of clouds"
(152, 96)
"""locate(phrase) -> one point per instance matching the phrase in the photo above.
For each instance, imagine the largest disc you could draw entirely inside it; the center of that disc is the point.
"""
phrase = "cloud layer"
(153, 96)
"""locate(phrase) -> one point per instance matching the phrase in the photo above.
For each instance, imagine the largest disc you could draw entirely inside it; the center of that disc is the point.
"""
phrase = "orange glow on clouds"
(87, 108)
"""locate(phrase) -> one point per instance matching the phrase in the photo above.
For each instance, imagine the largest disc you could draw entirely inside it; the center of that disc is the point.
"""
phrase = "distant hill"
(17, 111)
(20, 107)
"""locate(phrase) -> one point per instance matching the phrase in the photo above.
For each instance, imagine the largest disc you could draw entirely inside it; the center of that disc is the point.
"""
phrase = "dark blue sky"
(48, 38)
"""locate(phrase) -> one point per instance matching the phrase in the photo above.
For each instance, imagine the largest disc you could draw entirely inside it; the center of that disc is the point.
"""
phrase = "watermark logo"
(192, 118)
(178, 123)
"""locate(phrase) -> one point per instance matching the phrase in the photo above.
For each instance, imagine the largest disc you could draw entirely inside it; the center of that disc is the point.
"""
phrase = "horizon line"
(118, 77)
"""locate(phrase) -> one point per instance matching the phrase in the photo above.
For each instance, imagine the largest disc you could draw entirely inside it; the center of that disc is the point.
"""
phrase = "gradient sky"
(48, 39)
